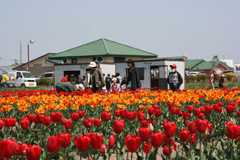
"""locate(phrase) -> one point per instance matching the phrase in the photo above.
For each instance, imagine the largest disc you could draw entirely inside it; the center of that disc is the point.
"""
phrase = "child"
(115, 85)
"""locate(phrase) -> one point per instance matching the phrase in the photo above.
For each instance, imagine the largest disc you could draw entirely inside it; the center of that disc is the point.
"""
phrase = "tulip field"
(144, 125)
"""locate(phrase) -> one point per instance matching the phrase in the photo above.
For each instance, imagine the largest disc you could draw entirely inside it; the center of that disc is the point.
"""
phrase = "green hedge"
(44, 82)
(205, 78)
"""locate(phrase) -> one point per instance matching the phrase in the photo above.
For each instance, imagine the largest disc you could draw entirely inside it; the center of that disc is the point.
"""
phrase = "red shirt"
(64, 79)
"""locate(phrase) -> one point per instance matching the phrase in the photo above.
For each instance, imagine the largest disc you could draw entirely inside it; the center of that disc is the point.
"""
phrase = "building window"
(140, 72)
(119, 59)
(37, 65)
(74, 60)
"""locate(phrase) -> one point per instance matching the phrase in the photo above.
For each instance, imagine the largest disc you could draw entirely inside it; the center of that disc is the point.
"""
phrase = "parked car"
(227, 71)
(195, 73)
(45, 75)
(21, 79)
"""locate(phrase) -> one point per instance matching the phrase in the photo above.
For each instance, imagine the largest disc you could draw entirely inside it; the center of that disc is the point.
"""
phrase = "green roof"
(104, 48)
(191, 63)
(171, 58)
(200, 64)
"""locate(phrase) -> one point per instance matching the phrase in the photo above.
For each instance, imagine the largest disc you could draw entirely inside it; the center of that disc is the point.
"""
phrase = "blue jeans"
(4, 85)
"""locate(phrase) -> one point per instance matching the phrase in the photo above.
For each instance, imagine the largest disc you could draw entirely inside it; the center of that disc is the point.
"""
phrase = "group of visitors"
(221, 82)
(3, 80)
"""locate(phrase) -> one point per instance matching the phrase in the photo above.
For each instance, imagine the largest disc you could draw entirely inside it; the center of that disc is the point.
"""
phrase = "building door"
(159, 77)
(72, 75)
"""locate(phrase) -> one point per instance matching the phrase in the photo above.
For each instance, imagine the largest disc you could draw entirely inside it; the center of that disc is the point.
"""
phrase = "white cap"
(92, 65)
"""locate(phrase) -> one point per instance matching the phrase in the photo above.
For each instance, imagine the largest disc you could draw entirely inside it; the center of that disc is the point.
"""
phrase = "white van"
(45, 75)
(21, 79)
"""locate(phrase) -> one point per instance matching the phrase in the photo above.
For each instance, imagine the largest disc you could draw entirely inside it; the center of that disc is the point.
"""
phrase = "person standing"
(4, 80)
(115, 86)
(123, 84)
(1, 81)
(65, 79)
(212, 79)
(119, 78)
(96, 78)
(108, 80)
(174, 78)
(84, 82)
(79, 80)
(222, 81)
(133, 82)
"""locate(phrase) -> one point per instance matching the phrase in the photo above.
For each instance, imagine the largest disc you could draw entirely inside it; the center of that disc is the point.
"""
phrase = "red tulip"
(97, 122)
(238, 114)
(233, 131)
(170, 105)
(56, 117)
(33, 152)
(8, 148)
(140, 115)
(102, 148)
(219, 110)
(68, 124)
(9, 122)
(197, 111)
(185, 116)
(202, 125)
(31, 117)
(132, 143)
(63, 121)
(53, 143)
(184, 135)
(150, 111)
(111, 141)
(88, 122)
(131, 115)
(166, 150)
(24, 122)
(117, 112)
(230, 108)
(190, 109)
(200, 116)
(156, 139)
(21, 149)
(123, 113)
(173, 110)
(157, 112)
(81, 114)
(74, 116)
(66, 139)
(220, 103)
(201, 109)
(192, 126)
(39, 118)
(147, 147)
(144, 133)
(106, 116)
(192, 138)
(178, 111)
(207, 110)
(155, 106)
(215, 107)
(47, 121)
(96, 140)
(169, 129)
(82, 143)
(2, 123)
(144, 123)
(118, 126)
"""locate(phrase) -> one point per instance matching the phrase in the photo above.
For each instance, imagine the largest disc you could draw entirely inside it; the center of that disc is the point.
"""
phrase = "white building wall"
(108, 69)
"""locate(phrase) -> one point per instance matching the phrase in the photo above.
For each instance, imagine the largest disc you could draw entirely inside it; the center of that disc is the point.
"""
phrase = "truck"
(21, 79)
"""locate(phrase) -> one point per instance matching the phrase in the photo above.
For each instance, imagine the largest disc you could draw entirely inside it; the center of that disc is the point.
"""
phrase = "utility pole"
(20, 52)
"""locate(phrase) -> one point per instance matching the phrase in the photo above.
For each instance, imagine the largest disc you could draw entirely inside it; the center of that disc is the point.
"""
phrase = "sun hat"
(92, 64)
(173, 66)
(79, 87)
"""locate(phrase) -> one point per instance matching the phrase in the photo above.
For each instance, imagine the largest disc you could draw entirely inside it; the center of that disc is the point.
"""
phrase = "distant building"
(229, 62)
(39, 65)
(206, 67)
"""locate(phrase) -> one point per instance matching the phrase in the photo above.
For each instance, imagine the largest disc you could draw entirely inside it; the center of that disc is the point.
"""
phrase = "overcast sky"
(197, 29)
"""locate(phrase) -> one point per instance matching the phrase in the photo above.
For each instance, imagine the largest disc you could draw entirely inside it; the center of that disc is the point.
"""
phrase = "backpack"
(108, 79)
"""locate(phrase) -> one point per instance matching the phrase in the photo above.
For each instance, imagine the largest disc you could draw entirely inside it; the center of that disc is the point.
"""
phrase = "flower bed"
(193, 124)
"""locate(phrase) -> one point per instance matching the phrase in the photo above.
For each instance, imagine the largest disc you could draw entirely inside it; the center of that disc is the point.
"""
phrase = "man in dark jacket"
(108, 81)
(174, 78)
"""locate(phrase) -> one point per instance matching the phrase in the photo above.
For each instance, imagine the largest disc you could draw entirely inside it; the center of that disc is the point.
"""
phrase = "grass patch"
(199, 85)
